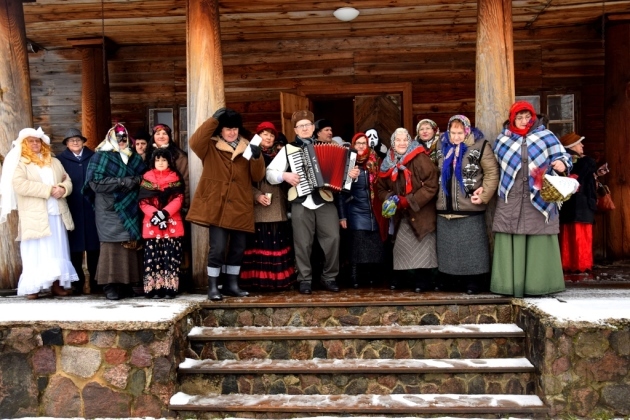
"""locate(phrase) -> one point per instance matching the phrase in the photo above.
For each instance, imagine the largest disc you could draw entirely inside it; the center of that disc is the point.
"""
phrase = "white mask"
(372, 136)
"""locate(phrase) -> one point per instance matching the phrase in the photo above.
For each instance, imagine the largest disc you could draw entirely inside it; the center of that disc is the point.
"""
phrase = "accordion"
(322, 165)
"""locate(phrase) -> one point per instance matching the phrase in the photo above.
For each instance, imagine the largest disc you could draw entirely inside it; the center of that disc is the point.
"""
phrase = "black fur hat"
(229, 119)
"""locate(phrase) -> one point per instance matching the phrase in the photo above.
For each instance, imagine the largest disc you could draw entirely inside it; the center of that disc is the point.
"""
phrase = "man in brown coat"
(223, 199)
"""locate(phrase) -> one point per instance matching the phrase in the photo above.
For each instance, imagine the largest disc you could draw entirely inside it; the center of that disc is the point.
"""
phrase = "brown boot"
(32, 296)
(57, 290)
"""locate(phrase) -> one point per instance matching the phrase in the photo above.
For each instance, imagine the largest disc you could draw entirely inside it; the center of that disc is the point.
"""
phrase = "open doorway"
(340, 113)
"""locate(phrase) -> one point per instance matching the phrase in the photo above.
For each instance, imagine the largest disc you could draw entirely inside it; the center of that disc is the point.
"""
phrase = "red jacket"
(161, 180)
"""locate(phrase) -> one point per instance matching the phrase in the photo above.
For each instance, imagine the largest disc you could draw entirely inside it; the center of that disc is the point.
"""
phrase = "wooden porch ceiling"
(381, 24)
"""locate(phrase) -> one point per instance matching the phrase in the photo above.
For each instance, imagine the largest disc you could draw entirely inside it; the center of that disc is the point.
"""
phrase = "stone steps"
(240, 405)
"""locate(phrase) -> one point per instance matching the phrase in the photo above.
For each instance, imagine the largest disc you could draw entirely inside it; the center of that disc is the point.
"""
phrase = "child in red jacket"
(161, 198)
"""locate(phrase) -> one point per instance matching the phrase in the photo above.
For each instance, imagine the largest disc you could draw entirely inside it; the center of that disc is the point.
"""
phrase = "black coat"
(356, 206)
(582, 205)
(84, 236)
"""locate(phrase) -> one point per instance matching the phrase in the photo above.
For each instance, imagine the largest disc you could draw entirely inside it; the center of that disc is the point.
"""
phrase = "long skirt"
(526, 265)
(366, 247)
(118, 265)
(410, 253)
(162, 261)
(576, 246)
(269, 258)
(45, 260)
(462, 245)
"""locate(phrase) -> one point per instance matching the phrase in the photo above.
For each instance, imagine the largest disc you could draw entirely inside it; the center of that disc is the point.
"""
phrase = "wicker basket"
(550, 193)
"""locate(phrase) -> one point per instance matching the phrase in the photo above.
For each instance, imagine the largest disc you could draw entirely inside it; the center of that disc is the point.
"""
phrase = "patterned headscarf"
(521, 106)
(450, 160)
(394, 162)
(110, 144)
(430, 144)
(368, 161)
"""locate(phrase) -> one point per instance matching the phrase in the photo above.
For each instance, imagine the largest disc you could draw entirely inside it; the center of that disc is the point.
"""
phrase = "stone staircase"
(357, 353)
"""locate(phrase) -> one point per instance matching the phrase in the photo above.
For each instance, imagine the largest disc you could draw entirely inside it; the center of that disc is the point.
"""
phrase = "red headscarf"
(521, 106)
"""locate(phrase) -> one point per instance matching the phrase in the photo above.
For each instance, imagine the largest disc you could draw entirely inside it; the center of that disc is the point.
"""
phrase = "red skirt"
(576, 246)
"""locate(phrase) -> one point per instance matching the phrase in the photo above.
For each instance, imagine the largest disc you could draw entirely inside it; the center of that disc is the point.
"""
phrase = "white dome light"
(346, 14)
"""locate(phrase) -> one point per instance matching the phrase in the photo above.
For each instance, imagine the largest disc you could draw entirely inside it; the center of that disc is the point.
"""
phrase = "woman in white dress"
(35, 183)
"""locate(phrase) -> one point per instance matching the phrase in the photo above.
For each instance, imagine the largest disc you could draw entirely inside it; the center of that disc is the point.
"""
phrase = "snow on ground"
(585, 305)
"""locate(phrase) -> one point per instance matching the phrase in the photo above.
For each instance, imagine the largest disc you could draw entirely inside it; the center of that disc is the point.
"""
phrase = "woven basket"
(550, 194)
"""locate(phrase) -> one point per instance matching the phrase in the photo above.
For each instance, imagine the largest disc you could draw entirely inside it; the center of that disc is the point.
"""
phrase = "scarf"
(164, 194)
(271, 152)
(543, 148)
(110, 144)
(521, 106)
(108, 164)
(395, 162)
(449, 151)
(431, 144)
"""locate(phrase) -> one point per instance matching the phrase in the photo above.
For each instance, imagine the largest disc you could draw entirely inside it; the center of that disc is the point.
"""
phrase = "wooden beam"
(15, 114)
(205, 95)
(617, 116)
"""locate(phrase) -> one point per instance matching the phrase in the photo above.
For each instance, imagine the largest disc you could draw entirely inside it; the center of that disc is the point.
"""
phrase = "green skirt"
(526, 265)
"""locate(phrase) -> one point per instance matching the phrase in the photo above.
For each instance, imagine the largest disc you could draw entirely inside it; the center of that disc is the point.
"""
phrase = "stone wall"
(584, 370)
(55, 372)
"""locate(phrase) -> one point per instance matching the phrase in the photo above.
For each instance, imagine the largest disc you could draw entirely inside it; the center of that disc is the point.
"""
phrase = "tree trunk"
(205, 95)
(617, 102)
(15, 114)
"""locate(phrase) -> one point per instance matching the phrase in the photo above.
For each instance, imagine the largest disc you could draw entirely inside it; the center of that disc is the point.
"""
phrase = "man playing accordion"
(312, 213)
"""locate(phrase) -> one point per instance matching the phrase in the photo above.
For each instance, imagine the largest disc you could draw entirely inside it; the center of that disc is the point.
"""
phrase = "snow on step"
(395, 403)
(357, 332)
(385, 366)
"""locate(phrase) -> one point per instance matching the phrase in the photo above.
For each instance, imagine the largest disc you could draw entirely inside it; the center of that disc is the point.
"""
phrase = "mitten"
(217, 114)
(389, 206)
(163, 225)
(255, 151)
(403, 203)
(155, 220)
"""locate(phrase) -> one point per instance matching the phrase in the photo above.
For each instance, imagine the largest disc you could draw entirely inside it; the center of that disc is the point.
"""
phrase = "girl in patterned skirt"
(161, 198)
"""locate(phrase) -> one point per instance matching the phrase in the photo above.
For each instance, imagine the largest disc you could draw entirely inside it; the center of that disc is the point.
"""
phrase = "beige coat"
(32, 196)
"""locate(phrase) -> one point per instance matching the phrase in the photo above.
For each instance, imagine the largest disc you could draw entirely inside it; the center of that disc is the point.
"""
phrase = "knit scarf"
(109, 164)
(448, 151)
(395, 163)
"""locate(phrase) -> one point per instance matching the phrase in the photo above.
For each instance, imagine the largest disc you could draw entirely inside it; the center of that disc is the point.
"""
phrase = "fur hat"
(142, 134)
(72, 132)
(303, 114)
(229, 119)
(266, 125)
(320, 125)
(570, 140)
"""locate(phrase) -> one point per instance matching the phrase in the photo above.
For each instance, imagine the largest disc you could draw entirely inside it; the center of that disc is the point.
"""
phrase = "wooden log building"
(94, 62)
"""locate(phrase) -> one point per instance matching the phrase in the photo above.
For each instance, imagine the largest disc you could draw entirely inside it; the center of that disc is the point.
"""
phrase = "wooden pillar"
(15, 114)
(617, 144)
(495, 66)
(96, 117)
(205, 95)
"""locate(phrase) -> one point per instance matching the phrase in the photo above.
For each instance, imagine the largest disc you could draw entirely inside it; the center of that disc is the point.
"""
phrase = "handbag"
(604, 199)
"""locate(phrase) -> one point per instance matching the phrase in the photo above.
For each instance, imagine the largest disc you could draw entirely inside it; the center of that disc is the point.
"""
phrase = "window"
(532, 99)
(161, 116)
(561, 113)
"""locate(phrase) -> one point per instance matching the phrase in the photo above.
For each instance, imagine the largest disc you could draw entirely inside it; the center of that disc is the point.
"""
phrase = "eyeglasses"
(74, 140)
(360, 143)
(303, 126)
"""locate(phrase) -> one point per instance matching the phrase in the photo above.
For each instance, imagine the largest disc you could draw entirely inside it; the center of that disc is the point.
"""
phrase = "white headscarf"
(110, 144)
(8, 200)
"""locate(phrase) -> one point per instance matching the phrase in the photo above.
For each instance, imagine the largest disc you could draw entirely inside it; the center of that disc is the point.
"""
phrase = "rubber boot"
(213, 292)
(230, 287)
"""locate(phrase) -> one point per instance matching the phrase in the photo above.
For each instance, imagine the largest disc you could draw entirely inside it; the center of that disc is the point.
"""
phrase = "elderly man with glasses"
(311, 214)
(84, 238)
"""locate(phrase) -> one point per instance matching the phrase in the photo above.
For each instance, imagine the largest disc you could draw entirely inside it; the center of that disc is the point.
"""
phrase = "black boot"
(111, 291)
(423, 279)
(213, 292)
(230, 287)
(353, 276)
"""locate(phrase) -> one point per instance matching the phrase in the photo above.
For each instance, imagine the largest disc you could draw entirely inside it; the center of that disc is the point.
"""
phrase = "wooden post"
(495, 66)
(617, 144)
(96, 117)
(494, 76)
(15, 114)
(205, 95)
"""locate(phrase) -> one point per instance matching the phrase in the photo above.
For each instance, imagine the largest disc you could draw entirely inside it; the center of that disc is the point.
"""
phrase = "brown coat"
(421, 212)
(277, 210)
(224, 194)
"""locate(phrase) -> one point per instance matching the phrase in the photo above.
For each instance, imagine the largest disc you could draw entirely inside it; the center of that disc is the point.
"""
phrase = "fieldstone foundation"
(584, 369)
(54, 372)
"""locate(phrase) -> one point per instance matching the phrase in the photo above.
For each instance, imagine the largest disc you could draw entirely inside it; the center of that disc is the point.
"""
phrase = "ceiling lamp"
(346, 14)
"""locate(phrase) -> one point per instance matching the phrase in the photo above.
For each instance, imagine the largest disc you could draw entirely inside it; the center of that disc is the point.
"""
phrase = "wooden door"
(381, 112)
(290, 103)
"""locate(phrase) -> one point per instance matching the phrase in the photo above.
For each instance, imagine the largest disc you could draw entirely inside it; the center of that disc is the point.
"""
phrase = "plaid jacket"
(543, 148)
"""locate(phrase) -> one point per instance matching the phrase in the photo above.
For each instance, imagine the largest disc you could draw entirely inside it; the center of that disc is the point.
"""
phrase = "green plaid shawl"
(109, 164)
